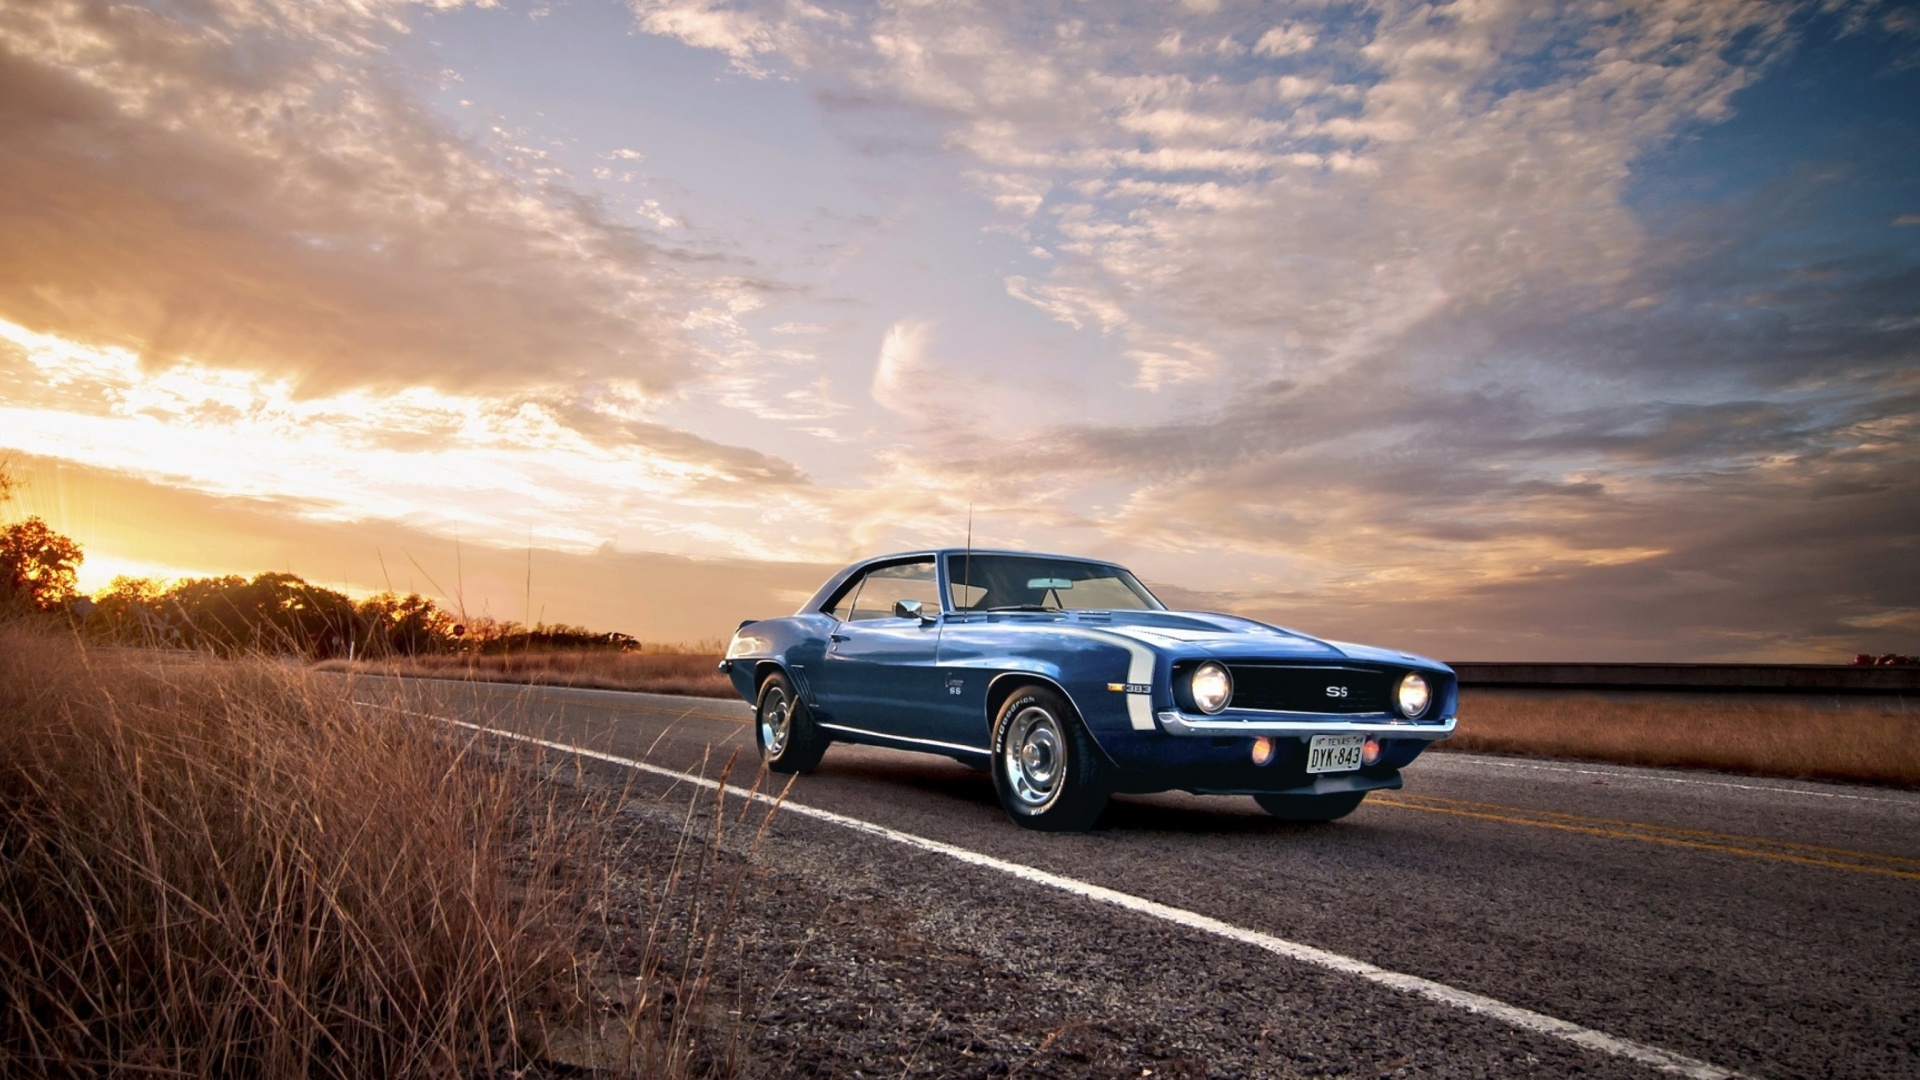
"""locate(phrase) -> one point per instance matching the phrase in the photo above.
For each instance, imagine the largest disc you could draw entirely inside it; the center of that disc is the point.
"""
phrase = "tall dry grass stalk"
(229, 869)
(656, 672)
(1875, 740)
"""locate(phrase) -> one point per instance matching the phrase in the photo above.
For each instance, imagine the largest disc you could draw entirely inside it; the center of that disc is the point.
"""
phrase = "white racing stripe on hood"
(1158, 634)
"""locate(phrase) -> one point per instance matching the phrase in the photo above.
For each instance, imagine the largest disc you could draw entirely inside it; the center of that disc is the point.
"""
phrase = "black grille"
(1309, 689)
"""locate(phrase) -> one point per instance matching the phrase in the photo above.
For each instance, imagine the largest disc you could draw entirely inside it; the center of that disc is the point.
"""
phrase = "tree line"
(271, 612)
(282, 613)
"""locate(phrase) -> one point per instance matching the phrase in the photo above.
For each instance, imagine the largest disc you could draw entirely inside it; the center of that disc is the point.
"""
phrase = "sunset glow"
(1482, 329)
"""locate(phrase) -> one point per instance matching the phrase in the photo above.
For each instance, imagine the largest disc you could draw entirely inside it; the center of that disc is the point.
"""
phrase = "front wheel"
(1045, 767)
(784, 729)
(1311, 807)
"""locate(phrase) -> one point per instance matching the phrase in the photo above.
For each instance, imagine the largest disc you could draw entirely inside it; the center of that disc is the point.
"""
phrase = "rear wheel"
(1045, 767)
(784, 730)
(1311, 807)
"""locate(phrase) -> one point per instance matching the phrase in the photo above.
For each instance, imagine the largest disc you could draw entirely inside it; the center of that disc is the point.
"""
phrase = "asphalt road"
(1771, 928)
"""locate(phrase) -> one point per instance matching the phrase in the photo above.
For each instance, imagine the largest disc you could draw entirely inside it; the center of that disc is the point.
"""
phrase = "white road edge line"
(1650, 776)
(1664, 1060)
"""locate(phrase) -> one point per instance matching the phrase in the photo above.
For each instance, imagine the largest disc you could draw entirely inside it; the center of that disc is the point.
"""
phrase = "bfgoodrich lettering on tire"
(784, 729)
(1045, 768)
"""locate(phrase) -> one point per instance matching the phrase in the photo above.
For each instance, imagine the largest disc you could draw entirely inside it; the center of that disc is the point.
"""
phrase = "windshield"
(1038, 583)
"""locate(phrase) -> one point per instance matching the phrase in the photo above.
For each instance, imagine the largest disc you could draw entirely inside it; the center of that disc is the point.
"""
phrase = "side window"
(965, 596)
(842, 608)
(887, 584)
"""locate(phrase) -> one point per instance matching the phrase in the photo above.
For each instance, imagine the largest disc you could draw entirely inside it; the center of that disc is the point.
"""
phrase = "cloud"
(575, 469)
(901, 368)
(1285, 41)
(256, 186)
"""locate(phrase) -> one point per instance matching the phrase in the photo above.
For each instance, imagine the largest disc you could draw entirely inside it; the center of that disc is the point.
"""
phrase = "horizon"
(1481, 331)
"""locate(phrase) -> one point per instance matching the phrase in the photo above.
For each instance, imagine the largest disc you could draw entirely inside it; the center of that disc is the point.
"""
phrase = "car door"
(879, 673)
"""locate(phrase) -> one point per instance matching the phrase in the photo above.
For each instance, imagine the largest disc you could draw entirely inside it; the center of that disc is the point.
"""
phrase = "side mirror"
(908, 609)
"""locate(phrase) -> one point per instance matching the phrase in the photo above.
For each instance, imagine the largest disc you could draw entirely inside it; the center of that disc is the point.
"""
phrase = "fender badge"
(1130, 688)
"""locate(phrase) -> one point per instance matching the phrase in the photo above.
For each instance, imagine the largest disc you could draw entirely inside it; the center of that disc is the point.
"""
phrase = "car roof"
(838, 579)
(924, 552)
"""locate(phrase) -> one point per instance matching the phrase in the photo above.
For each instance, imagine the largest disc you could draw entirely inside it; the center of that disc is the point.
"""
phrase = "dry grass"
(1875, 740)
(655, 671)
(226, 869)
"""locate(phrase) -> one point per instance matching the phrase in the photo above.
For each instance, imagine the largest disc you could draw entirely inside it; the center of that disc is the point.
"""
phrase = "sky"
(1495, 330)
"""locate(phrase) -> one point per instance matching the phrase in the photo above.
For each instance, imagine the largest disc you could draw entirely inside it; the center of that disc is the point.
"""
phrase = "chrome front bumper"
(1176, 722)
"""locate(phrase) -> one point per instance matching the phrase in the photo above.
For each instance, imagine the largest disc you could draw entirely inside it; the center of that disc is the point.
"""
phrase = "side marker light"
(1370, 751)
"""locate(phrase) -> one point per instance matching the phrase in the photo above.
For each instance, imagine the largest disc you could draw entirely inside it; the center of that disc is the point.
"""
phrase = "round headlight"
(1212, 687)
(1414, 696)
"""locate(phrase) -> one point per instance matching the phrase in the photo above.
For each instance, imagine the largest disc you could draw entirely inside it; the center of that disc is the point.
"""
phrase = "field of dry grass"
(655, 671)
(1871, 739)
(227, 869)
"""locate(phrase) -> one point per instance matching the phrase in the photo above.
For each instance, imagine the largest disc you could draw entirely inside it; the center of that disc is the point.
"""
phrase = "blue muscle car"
(1069, 681)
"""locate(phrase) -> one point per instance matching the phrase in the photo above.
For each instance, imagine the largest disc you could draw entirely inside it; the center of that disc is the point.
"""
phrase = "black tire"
(1311, 807)
(784, 730)
(1046, 770)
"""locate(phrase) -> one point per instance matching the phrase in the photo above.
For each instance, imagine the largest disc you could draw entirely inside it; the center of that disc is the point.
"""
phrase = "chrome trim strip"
(1179, 723)
(905, 739)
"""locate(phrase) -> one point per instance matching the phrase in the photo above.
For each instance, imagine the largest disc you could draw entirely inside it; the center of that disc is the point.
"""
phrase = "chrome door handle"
(837, 637)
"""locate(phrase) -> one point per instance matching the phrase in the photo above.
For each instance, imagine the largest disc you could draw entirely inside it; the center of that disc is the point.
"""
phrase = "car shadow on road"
(1213, 816)
(1143, 815)
(934, 777)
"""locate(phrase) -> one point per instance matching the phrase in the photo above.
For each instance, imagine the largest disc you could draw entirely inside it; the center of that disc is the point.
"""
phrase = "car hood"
(1211, 633)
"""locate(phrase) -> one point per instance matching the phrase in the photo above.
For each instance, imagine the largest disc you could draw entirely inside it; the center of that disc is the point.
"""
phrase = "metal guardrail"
(1709, 678)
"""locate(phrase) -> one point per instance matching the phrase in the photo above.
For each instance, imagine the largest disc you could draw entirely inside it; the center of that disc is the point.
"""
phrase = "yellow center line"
(1751, 847)
(1672, 830)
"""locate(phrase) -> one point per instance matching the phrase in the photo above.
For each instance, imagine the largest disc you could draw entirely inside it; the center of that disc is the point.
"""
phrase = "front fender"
(1107, 677)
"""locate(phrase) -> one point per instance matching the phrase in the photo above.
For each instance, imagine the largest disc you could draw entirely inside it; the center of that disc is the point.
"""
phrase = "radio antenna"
(968, 563)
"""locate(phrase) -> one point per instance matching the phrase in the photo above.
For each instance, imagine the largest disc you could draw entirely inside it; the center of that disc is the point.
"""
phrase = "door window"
(875, 595)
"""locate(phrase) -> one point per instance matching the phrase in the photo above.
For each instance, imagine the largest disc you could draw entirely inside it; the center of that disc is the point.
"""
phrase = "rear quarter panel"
(795, 643)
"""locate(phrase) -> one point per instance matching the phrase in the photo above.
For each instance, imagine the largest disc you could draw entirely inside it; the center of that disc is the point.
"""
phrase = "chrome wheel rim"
(776, 721)
(1034, 756)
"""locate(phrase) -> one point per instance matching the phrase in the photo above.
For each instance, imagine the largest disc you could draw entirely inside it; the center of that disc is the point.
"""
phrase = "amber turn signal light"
(1263, 751)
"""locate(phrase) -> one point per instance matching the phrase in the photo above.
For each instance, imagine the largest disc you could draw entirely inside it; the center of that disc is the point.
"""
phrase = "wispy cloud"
(569, 473)
(257, 185)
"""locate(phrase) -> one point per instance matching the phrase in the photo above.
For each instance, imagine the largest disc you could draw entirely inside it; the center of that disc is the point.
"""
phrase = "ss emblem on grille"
(1336, 691)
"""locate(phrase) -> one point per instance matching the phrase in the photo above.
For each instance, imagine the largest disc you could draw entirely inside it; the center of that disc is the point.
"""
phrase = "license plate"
(1334, 753)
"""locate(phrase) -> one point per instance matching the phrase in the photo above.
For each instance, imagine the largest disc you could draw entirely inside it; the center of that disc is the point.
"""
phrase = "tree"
(409, 625)
(274, 612)
(39, 568)
(131, 611)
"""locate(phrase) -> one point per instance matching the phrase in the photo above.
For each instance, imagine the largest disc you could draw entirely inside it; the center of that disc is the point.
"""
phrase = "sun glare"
(504, 470)
(100, 569)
